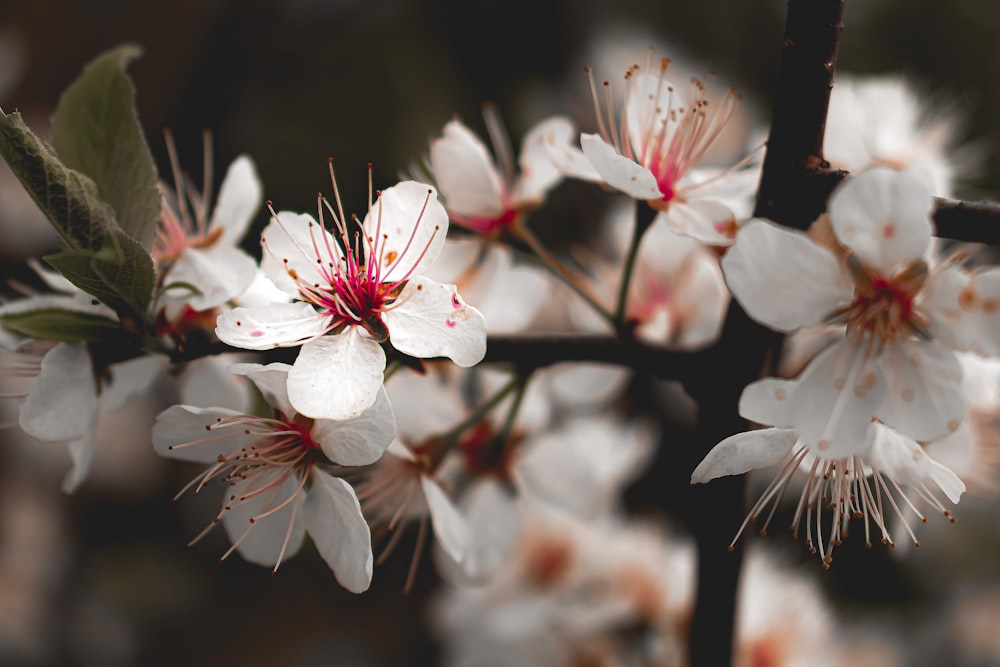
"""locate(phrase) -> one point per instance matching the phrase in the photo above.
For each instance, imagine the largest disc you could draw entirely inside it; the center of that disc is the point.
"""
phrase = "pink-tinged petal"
(883, 216)
(272, 381)
(835, 398)
(923, 397)
(62, 404)
(424, 404)
(710, 221)
(744, 452)
(294, 245)
(411, 225)
(181, 432)
(338, 529)
(450, 529)
(239, 199)
(539, 173)
(132, 377)
(465, 173)
(220, 273)
(81, 454)
(336, 377)
(263, 543)
(783, 279)
(906, 462)
(358, 441)
(766, 402)
(618, 171)
(432, 320)
(264, 327)
(964, 309)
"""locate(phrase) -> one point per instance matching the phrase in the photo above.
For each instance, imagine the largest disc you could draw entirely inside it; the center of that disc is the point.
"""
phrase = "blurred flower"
(277, 467)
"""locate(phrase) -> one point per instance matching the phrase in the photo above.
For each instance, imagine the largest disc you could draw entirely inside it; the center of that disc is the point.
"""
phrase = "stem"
(644, 216)
(508, 424)
(560, 271)
(477, 415)
(973, 222)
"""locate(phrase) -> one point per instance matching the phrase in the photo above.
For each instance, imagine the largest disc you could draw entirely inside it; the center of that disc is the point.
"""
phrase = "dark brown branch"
(973, 222)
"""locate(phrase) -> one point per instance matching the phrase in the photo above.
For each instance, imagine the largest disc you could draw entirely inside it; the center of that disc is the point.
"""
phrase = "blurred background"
(103, 577)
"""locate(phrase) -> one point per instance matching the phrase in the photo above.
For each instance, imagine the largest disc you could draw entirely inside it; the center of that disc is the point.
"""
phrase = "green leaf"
(57, 324)
(120, 273)
(96, 131)
(68, 198)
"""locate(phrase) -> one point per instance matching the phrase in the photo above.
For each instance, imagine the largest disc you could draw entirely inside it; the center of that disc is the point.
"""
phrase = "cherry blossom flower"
(653, 155)
(372, 293)
(198, 258)
(855, 479)
(903, 318)
(279, 469)
(883, 120)
(487, 196)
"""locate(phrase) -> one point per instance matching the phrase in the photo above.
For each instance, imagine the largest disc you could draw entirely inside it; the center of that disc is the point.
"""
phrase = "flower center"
(884, 309)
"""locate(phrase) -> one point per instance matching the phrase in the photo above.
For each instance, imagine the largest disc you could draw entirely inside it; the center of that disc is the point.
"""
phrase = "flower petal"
(783, 279)
(358, 441)
(275, 325)
(131, 377)
(923, 397)
(408, 225)
(965, 309)
(336, 377)
(450, 527)
(744, 452)
(267, 535)
(766, 402)
(424, 404)
(465, 173)
(618, 171)
(906, 462)
(432, 320)
(181, 432)
(81, 454)
(271, 380)
(295, 247)
(883, 216)
(339, 531)
(220, 273)
(710, 221)
(62, 403)
(539, 173)
(238, 200)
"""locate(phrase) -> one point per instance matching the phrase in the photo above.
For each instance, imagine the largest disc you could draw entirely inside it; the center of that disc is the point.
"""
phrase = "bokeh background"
(103, 577)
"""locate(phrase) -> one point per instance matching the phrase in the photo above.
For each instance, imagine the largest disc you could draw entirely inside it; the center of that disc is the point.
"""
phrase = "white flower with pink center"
(653, 154)
(903, 317)
(279, 469)
(353, 292)
(487, 195)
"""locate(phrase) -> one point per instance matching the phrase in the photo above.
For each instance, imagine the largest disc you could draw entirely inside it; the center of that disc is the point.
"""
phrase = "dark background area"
(293, 83)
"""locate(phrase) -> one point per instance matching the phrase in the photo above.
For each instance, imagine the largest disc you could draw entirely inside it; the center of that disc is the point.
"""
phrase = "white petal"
(883, 216)
(178, 430)
(239, 198)
(783, 279)
(449, 526)
(220, 272)
(81, 454)
(465, 173)
(539, 173)
(618, 171)
(291, 246)
(574, 489)
(62, 404)
(432, 320)
(208, 382)
(339, 531)
(358, 441)
(131, 377)
(835, 399)
(336, 377)
(425, 404)
(710, 221)
(271, 380)
(965, 309)
(923, 398)
(265, 327)
(558, 141)
(906, 462)
(766, 402)
(408, 225)
(744, 452)
(263, 544)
